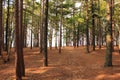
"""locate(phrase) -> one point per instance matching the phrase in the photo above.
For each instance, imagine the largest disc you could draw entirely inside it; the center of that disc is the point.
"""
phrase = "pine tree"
(87, 28)
(20, 69)
(1, 27)
(45, 52)
(108, 58)
(93, 26)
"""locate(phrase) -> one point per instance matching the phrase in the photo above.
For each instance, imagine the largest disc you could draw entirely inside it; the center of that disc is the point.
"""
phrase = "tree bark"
(108, 57)
(1, 27)
(56, 27)
(99, 25)
(93, 26)
(41, 26)
(21, 37)
(56, 39)
(32, 25)
(50, 40)
(17, 63)
(78, 35)
(31, 46)
(61, 23)
(112, 22)
(20, 68)
(87, 28)
(25, 29)
(7, 27)
(74, 30)
(45, 51)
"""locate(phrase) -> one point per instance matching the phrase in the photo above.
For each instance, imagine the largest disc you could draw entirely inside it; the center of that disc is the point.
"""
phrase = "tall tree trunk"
(42, 24)
(3, 21)
(50, 40)
(56, 27)
(74, 30)
(61, 23)
(112, 22)
(21, 36)
(45, 51)
(78, 35)
(69, 37)
(25, 30)
(31, 46)
(1, 27)
(108, 57)
(32, 25)
(87, 28)
(7, 27)
(8, 32)
(82, 39)
(100, 28)
(18, 66)
(74, 36)
(36, 42)
(66, 37)
(20, 69)
(56, 39)
(9, 41)
(93, 26)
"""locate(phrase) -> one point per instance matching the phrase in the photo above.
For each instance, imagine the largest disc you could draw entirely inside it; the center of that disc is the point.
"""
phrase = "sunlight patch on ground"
(40, 70)
(34, 70)
(116, 53)
(100, 76)
(104, 76)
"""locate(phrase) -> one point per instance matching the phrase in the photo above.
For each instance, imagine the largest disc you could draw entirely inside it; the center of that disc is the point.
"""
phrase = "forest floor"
(71, 64)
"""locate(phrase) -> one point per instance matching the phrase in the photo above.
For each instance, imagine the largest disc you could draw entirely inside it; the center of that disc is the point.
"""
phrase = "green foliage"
(72, 16)
(80, 20)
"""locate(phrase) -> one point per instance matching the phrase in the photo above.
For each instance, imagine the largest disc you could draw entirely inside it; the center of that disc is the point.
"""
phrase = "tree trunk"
(36, 42)
(31, 40)
(74, 30)
(41, 26)
(69, 37)
(7, 27)
(21, 37)
(50, 40)
(45, 51)
(9, 42)
(56, 39)
(87, 29)
(74, 36)
(108, 57)
(93, 26)
(61, 23)
(1, 27)
(25, 29)
(56, 27)
(20, 68)
(32, 25)
(78, 35)
(66, 37)
(82, 39)
(112, 22)
(99, 25)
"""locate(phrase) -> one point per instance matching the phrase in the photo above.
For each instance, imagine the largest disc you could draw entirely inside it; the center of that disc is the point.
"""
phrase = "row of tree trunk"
(109, 30)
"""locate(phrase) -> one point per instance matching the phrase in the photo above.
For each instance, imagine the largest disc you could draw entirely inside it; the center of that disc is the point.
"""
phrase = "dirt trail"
(71, 64)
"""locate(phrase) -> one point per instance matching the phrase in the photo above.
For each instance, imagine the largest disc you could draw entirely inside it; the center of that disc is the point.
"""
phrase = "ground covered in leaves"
(71, 64)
